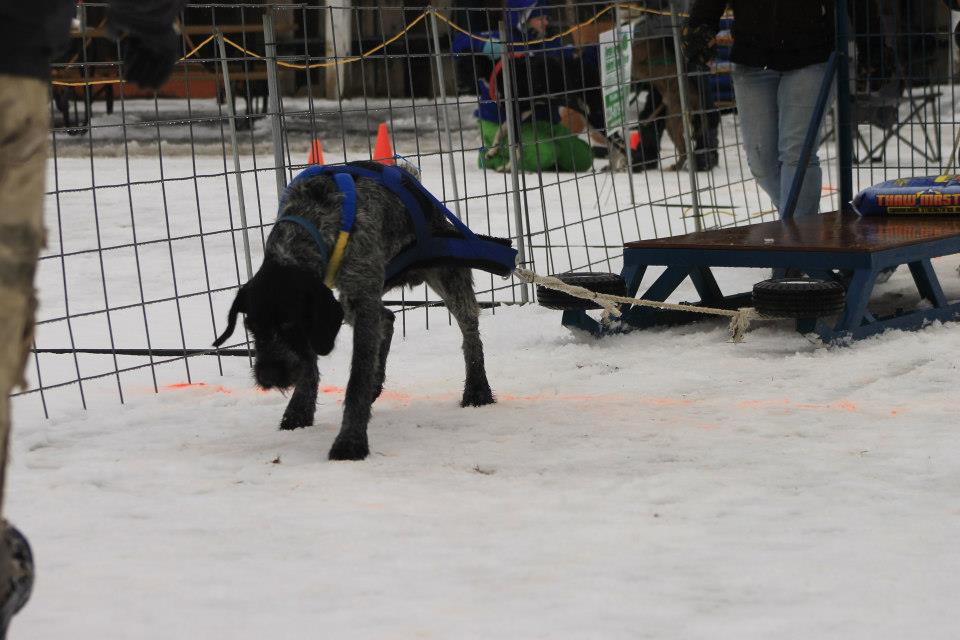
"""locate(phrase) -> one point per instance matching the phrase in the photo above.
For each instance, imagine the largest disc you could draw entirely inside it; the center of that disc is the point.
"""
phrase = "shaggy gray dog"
(294, 317)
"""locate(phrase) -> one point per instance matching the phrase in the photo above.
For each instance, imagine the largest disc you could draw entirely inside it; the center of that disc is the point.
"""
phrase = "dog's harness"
(464, 249)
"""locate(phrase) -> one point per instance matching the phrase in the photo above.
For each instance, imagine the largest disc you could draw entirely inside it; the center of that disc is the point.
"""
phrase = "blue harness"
(465, 249)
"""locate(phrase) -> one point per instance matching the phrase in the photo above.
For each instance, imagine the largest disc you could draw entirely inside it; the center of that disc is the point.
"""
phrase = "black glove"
(699, 44)
(148, 62)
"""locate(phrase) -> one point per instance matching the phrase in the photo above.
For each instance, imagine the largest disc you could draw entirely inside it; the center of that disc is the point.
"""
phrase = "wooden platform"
(826, 232)
(841, 247)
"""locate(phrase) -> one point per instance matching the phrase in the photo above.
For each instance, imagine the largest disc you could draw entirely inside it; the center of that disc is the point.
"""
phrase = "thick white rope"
(739, 319)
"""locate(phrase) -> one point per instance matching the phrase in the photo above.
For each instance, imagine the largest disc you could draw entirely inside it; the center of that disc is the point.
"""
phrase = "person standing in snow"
(31, 34)
(780, 54)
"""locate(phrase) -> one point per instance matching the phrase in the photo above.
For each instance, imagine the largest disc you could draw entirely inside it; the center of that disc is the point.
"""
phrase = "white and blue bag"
(929, 196)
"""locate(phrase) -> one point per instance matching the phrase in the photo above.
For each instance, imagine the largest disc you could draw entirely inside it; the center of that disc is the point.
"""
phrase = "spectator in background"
(654, 36)
(779, 53)
(540, 83)
(31, 34)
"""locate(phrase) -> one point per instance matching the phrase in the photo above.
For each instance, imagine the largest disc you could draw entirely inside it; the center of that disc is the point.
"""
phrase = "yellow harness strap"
(336, 258)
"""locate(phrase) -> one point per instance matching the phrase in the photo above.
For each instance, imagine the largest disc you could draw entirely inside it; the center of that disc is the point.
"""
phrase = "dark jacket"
(33, 32)
(783, 34)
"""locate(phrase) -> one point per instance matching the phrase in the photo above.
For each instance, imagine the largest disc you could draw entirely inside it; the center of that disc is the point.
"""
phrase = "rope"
(337, 63)
(90, 83)
(386, 43)
(739, 320)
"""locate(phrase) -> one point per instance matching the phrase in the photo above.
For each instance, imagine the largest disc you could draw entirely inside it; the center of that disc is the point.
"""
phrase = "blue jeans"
(775, 109)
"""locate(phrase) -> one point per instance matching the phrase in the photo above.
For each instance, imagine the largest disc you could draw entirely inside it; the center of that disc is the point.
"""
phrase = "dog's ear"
(327, 316)
(238, 306)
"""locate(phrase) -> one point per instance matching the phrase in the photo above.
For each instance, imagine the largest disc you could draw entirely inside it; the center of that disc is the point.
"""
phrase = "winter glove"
(699, 44)
(148, 61)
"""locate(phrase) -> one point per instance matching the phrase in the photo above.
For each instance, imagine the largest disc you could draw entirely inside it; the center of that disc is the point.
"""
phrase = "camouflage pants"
(23, 147)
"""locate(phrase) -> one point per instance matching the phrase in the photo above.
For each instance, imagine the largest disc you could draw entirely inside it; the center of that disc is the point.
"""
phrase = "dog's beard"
(277, 367)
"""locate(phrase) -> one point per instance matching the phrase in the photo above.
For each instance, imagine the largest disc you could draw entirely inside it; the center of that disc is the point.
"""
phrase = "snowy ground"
(665, 484)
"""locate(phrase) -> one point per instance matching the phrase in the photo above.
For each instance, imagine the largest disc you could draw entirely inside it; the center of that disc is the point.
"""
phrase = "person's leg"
(756, 91)
(706, 125)
(647, 154)
(23, 145)
(797, 100)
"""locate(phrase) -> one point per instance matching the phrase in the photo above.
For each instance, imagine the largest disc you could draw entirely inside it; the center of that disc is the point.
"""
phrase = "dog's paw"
(297, 422)
(349, 448)
(477, 397)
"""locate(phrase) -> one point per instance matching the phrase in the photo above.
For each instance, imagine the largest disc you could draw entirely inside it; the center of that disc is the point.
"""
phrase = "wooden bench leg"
(858, 296)
(707, 286)
(927, 283)
(633, 276)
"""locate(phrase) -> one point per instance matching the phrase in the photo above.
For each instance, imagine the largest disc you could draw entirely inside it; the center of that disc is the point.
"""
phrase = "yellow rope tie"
(388, 42)
(739, 319)
(335, 63)
(89, 83)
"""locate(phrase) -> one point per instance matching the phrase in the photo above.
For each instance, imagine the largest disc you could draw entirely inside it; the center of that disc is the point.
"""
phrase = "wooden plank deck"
(833, 232)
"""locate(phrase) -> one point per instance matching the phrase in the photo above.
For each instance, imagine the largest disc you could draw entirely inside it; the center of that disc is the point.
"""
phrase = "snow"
(663, 484)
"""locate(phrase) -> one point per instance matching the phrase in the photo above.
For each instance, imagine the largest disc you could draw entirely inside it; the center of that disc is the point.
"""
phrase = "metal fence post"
(685, 109)
(443, 109)
(232, 108)
(624, 129)
(273, 91)
(844, 111)
(506, 58)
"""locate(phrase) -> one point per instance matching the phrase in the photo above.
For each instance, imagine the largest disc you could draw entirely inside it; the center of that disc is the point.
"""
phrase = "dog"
(294, 316)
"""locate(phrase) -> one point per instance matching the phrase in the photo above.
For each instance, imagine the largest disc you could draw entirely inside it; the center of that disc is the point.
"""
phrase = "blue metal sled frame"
(857, 270)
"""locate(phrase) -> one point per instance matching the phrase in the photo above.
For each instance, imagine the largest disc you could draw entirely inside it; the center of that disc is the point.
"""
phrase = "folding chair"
(897, 113)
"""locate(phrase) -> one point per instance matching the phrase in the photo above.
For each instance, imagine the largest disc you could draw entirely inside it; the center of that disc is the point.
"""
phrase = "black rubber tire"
(798, 298)
(611, 283)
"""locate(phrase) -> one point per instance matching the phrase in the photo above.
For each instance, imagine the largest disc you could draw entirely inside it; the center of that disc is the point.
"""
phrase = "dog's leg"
(386, 327)
(303, 403)
(351, 442)
(455, 286)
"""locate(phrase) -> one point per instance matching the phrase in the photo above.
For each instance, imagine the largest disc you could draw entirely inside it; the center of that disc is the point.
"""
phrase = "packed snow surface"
(662, 484)
(665, 484)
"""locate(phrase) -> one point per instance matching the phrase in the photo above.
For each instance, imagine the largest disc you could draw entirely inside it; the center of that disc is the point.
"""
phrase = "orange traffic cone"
(382, 151)
(316, 153)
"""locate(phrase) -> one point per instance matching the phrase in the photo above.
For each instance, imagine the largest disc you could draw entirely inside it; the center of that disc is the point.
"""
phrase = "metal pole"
(506, 59)
(844, 115)
(228, 93)
(625, 105)
(685, 108)
(446, 116)
(810, 141)
(273, 94)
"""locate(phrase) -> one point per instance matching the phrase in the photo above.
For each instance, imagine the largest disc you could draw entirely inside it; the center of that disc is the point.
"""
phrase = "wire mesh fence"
(571, 127)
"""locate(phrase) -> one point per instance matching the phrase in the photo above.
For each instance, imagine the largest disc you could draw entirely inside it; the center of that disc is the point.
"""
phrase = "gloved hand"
(699, 44)
(493, 49)
(148, 61)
